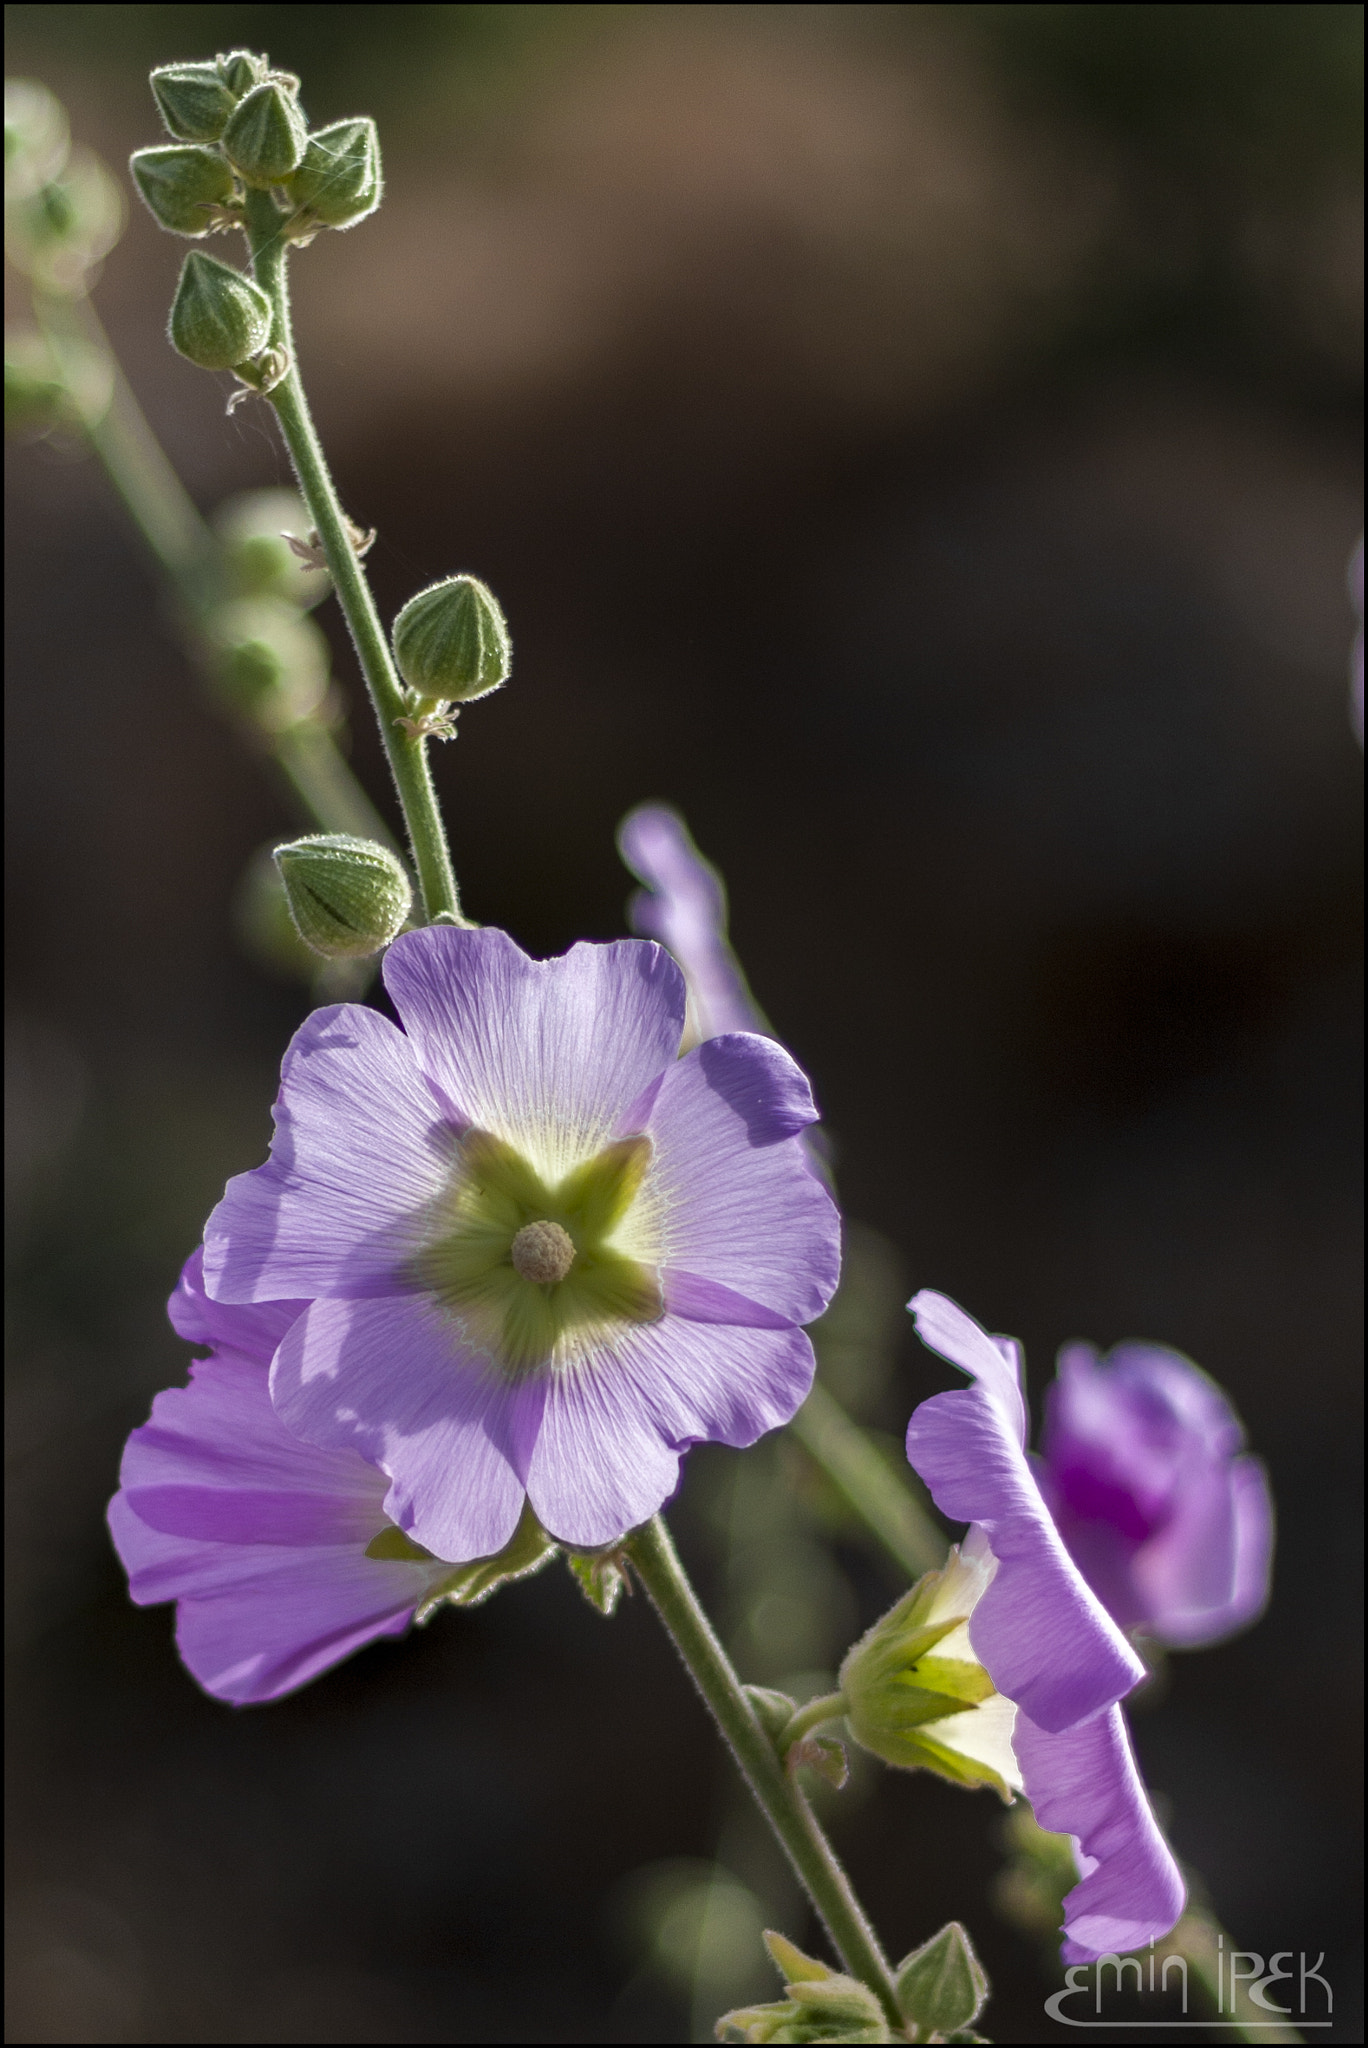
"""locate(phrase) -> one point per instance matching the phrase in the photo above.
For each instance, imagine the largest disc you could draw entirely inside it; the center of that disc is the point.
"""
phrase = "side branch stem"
(407, 754)
(657, 1565)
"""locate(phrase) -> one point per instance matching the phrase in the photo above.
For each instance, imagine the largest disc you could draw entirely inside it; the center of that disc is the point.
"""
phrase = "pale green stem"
(656, 1562)
(830, 1707)
(406, 753)
(885, 1504)
(1195, 1937)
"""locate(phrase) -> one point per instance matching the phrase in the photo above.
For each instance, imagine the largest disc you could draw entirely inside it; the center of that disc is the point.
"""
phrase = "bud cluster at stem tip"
(238, 127)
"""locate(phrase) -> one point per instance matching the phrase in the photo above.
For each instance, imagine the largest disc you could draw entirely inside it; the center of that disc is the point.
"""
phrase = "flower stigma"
(538, 1272)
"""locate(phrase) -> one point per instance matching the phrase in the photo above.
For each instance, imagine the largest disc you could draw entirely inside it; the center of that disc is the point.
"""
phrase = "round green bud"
(252, 526)
(338, 183)
(451, 642)
(183, 183)
(271, 663)
(240, 70)
(59, 233)
(348, 897)
(266, 137)
(193, 100)
(37, 138)
(219, 317)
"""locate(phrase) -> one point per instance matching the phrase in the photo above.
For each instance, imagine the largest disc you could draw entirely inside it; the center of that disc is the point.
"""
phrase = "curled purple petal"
(1040, 1632)
(684, 905)
(1083, 1782)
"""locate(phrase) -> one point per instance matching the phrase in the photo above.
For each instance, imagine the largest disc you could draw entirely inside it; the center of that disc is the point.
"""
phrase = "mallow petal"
(1206, 1575)
(1084, 1782)
(393, 1380)
(251, 1329)
(361, 1148)
(738, 1203)
(545, 1054)
(1040, 1631)
(684, 906)
(607, 1455)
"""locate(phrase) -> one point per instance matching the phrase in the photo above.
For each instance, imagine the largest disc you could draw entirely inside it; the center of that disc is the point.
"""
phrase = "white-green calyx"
(537, 1271)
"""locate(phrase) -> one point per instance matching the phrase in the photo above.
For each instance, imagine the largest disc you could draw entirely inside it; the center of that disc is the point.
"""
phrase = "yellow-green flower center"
(534, 1271)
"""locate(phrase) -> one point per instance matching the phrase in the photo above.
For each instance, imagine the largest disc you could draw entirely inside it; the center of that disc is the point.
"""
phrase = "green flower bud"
(271, 663)
(37, 138)
(338, 183)
(193, 100)
(240, 70)
(941, 1986)
(918, 1697)
(451, 643)
(348, 897)
(266, 137)
(183, 185)
(63, 230)
(252, 527)
(219, 318)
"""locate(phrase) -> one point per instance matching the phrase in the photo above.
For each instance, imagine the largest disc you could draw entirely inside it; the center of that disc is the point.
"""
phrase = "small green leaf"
(793, 1966)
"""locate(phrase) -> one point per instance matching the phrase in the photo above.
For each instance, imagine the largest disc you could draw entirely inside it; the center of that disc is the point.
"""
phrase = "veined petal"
(1084, 1782)
(393, 1380)
(361, 1150)
(607, 1455)
(733, 1196)
(1040, 1631)
(546, 1054)
(250, 1329)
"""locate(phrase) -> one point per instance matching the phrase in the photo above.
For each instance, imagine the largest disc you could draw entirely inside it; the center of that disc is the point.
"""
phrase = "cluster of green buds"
(940, 1990)
(63, 211)
(451, 645)
(238, 128)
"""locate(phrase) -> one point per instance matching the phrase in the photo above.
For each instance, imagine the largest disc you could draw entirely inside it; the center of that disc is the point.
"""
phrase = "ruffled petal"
(684, 906)
(1084, 1782)
(251, 1329)
(546, 1054)
(392, 1380)
(607, 1455)
(1040, 1632)
(737, 1201)
(361, 1148)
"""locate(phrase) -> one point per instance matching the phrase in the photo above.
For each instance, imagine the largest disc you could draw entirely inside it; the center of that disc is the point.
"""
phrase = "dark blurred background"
(922, 443)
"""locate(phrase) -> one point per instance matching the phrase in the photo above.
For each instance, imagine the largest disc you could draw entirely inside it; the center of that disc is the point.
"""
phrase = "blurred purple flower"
(684, 905)
(1047, 1643)
(1143, 1469)
(263, 1541)
(541, 1254)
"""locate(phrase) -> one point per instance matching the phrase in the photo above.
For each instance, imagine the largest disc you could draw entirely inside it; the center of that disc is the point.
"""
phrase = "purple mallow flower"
(1047, 1643)
(540, 1254)
(684, 905)
(1143, 1468)
(280, 1555)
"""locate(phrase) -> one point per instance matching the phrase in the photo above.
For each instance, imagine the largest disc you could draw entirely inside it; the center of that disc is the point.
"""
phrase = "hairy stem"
(657, 1565)
(887, 1506)
(407, 754)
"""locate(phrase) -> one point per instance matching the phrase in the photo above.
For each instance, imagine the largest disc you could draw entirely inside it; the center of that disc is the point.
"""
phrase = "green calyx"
(193, 100)
(917, 1697)
(536, 1271)
(185, 185)
(219, 318)
(819, 2004)
(941, 1986)
(528, 1549)
(266, 137)
(240, 70)
(338, 181)
(348, 897)
(451, 643)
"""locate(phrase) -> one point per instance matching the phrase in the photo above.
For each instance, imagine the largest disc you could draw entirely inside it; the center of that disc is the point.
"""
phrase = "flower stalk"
(405, 751)
(656, 1562)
